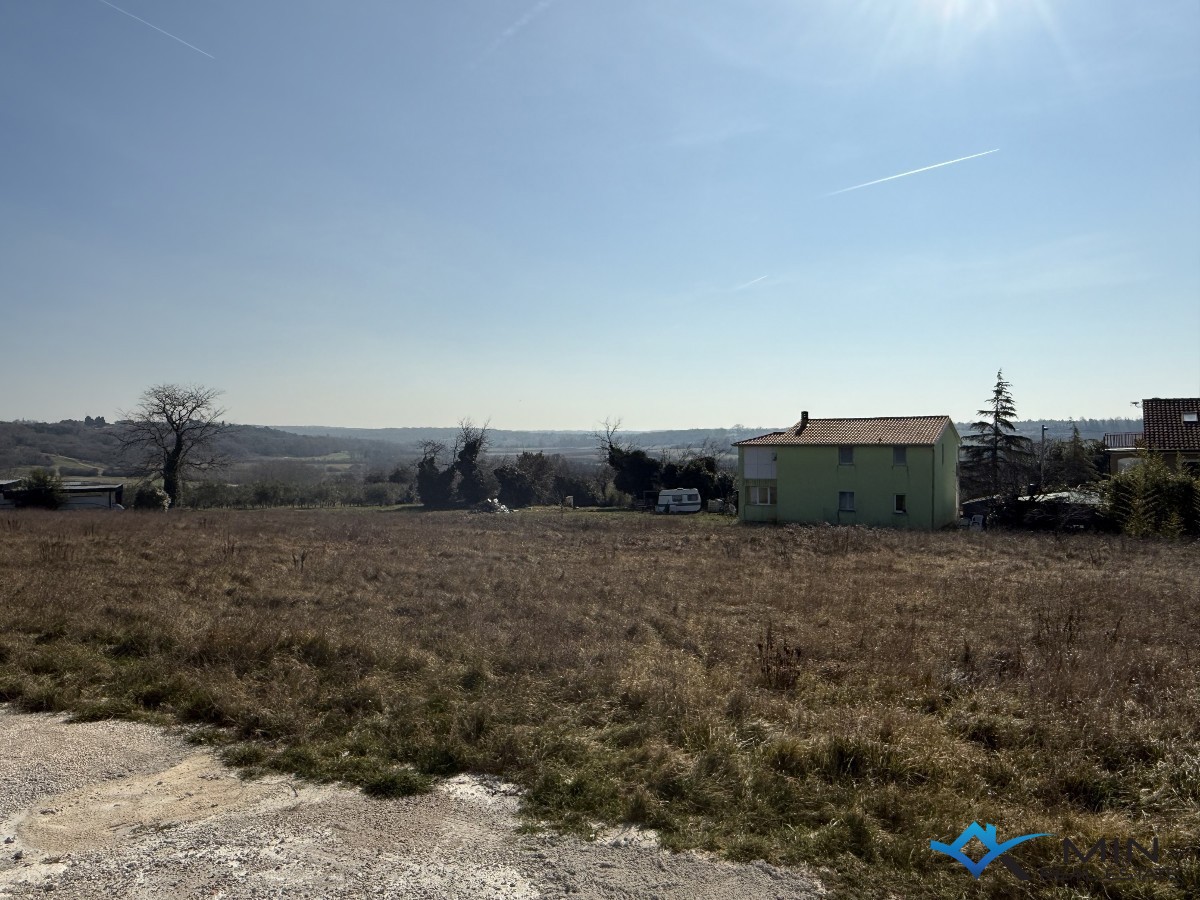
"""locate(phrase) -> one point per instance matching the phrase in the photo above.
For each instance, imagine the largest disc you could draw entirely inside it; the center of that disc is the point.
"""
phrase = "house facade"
(1170, 428)
(898, 472)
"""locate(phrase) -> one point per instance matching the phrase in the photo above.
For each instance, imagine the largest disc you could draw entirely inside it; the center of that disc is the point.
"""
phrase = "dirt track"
(114, 809)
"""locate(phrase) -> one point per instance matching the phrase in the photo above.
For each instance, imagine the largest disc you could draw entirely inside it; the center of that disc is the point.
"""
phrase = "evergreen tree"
(998, 459)
(1072, 463)
(528, 481)
(635, 471)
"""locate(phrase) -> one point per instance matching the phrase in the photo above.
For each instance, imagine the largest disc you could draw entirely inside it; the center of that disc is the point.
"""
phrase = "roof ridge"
(872, 418)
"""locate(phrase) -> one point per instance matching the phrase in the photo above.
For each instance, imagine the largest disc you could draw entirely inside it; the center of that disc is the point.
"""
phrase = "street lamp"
(1042, 463)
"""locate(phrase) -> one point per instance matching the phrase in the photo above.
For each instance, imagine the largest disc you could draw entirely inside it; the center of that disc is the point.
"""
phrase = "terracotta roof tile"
(892, 430)
(1164, 427)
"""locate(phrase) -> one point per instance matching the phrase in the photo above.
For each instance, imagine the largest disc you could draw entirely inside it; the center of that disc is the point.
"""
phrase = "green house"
(900, 472)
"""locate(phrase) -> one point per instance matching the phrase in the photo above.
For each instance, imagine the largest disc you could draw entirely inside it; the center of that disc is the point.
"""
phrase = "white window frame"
(763, 495)
(845, 497)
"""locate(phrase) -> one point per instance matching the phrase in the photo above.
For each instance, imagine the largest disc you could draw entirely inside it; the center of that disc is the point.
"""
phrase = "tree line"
(175, 431)
(174, 434)
(1013, 473)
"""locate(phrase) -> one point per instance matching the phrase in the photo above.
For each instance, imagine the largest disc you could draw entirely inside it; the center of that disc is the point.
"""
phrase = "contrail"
(159, 30)
(742, 287)
(510, 32)
(948, 162)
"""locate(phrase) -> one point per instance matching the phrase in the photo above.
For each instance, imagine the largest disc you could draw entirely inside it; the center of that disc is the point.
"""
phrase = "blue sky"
(550, 213)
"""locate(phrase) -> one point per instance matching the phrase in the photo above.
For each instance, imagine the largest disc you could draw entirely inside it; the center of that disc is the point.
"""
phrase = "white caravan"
(678, 500)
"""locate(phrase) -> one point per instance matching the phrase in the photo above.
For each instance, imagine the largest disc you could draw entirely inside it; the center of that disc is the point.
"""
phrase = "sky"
(548, 213)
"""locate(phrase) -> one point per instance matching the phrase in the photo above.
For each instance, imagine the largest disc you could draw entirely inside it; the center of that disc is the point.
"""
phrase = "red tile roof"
(893, 430)
(1163, 425)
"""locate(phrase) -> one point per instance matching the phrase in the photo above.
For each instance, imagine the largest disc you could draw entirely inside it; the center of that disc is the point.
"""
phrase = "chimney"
(803, 419)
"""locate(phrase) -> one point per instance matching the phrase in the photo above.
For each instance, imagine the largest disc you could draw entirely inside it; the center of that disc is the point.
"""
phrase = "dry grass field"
(835, 697)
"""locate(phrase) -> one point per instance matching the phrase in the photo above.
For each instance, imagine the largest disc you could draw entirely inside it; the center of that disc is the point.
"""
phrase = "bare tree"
(635, 472)
(606, 437)
(472, 438)
(173, 431)
(432, 449)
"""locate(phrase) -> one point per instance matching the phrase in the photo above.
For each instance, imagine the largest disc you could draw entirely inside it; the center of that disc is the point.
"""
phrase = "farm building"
(900, 472)
(76, 495)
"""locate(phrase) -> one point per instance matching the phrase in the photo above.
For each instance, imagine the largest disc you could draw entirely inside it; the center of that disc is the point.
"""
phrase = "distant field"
(341, 456)
(70, 464)
(830, 696)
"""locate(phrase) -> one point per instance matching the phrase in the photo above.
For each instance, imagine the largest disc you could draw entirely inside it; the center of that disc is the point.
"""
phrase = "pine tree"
(1078, 465)
(998, 460)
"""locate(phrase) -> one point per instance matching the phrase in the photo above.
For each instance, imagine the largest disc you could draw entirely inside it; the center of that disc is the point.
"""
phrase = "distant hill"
(502, 440)
(570, 443)
(91, 447)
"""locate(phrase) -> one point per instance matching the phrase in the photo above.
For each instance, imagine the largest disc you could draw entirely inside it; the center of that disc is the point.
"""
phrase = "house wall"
(1183, 459)
(757, 467)
(1121, 460)
(810, 480)
(748, 512)
(945, 479)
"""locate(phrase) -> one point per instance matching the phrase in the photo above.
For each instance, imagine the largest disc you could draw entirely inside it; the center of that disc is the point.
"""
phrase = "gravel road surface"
(115, 809)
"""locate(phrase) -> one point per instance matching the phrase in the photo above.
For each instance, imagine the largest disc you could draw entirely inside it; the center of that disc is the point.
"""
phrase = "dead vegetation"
(830, 696)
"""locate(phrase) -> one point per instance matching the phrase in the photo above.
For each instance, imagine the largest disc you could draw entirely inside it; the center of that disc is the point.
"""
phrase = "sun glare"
(973, 12)
(957, 25)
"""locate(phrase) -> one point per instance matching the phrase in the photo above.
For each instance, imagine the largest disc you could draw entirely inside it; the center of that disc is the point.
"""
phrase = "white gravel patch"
(114, 809)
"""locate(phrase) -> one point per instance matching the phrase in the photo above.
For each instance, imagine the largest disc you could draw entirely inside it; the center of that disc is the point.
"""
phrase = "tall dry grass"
(836, 697)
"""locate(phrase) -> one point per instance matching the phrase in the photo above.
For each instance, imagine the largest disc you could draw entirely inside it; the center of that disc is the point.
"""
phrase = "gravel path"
(114, 809)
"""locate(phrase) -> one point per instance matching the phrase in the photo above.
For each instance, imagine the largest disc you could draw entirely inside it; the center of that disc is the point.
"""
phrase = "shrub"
(150, 497)
(1152, 499)
(41, 489)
